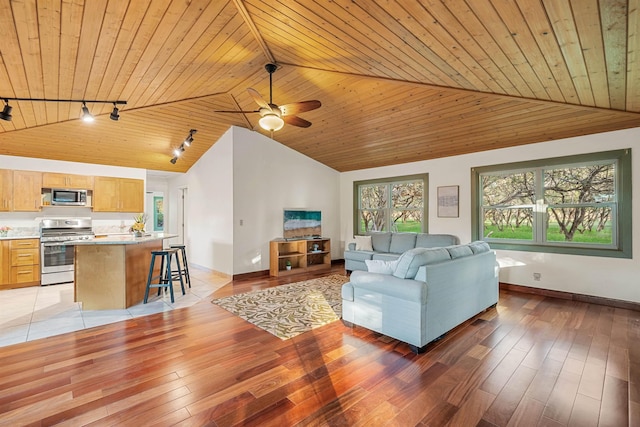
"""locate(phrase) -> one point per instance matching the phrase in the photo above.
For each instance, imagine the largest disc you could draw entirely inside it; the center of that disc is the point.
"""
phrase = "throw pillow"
(363, 243)
(380, 266)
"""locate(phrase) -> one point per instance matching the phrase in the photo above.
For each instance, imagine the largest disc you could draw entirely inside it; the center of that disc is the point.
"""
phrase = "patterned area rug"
(289, 310)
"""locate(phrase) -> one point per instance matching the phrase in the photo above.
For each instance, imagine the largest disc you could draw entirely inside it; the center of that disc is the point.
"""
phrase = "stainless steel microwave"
(64, 197)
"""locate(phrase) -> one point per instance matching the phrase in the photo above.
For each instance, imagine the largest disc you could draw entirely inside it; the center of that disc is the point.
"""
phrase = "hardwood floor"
(532, 361)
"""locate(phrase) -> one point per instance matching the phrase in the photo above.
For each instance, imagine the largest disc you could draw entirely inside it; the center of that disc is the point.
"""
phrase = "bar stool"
(184, 271)
(165, 278)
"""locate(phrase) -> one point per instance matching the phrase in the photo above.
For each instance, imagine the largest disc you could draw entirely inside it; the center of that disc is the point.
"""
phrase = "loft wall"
(269, 177)
(236, 195)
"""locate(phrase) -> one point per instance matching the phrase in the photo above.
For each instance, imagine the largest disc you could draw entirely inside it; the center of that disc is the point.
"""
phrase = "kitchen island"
(111, 271)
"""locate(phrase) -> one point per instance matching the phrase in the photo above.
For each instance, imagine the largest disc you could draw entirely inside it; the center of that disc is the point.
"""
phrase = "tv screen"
(302, 223)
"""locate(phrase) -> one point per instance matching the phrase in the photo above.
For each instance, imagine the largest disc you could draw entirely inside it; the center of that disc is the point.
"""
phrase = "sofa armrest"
(386, 284)
(352, 246)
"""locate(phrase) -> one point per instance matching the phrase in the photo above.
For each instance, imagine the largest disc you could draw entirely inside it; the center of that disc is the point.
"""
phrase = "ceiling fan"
(273, 117)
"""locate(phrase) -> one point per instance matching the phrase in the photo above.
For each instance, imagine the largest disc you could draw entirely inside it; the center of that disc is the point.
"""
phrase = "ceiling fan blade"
(235, 111)
(296, 121)
(258, 98)
(299, 107)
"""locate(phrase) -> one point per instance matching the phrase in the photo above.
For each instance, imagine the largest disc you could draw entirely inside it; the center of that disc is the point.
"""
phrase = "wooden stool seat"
(166, 276)
(184, 271)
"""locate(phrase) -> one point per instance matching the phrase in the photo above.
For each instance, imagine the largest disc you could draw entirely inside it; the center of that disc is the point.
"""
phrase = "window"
(393, 204)
(577, 205)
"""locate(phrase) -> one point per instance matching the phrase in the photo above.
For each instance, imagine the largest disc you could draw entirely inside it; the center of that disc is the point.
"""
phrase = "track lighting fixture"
(86, 114)
(114, 114)
(186, 143)
(6, 111)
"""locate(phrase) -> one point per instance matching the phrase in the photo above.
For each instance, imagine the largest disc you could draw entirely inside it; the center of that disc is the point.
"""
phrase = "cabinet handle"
(23, 255)
(24, 272)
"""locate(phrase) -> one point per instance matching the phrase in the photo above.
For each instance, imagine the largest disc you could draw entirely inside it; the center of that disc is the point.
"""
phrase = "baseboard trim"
(251, 275)
(616, 303)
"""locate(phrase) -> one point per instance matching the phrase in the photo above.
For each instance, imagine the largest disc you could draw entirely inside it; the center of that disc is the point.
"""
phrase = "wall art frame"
(448, 201)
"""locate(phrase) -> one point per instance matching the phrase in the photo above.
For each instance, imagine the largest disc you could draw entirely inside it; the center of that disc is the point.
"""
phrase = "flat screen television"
(302, 223)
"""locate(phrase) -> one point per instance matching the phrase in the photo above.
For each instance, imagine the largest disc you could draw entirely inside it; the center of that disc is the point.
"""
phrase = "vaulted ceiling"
(399, 80)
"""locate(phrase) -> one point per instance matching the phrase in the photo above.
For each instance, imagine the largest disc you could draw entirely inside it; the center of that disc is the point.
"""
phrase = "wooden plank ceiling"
(399, 81)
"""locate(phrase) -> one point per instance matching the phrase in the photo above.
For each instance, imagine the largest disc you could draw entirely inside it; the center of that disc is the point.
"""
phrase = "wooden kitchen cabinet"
(118, 194)
(27, 191)
(67, 181)
(6, 190)
(20, 263)
(5, 264)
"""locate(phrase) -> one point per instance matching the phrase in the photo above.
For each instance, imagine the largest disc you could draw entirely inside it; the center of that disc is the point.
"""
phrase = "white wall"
(604, 277)
(209, 234)
(269, 177)
(237, 192)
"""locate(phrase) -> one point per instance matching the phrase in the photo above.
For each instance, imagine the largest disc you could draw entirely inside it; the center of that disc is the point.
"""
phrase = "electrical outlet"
(537, 277)
(242, 222)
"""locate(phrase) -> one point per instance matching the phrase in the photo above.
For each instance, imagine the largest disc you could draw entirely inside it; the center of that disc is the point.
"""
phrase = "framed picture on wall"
(448, 201)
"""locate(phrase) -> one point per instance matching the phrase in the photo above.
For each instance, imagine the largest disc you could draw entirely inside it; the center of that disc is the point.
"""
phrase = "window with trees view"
(580, 204)
(395, 204)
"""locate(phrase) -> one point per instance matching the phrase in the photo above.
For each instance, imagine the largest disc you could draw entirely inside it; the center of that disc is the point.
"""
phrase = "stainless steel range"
(56, 257)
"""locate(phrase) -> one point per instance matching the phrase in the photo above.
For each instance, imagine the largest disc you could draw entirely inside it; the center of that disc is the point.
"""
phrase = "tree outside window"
(395, 204)
(578, 202)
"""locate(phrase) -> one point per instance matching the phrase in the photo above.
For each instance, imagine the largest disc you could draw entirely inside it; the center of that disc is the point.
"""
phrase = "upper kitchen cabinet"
(118, 194)
(67, 181)
(27, 191)
(6, 190)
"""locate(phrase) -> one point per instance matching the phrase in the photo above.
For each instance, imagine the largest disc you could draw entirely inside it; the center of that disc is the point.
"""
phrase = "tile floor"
(42, 311)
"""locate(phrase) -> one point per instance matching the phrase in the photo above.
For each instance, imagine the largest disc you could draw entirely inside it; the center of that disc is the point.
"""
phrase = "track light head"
(6, 111)
(86, 115)
(114, 114)
(186, 143)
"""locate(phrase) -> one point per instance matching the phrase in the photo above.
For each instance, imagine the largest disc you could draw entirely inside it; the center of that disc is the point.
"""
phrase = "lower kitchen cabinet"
(20, 262)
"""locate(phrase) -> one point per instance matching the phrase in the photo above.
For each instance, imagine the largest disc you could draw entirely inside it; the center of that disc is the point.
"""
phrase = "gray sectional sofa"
(431, 291)
(388, 246)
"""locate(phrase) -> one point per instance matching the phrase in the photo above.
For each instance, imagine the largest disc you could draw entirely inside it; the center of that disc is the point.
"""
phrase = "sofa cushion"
(385, 257)
(402, 242)
(381, 267)
(358, 255)
(459, 251)
(381, 240)
(479, 246)
(363, 243)
(424, 240)
(411, 260)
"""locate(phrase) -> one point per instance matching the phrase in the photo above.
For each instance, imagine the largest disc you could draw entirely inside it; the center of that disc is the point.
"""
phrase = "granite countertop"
(121, 239)
(10, 237)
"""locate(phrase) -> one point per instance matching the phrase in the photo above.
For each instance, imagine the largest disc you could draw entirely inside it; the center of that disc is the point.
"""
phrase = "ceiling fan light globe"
(271, 122)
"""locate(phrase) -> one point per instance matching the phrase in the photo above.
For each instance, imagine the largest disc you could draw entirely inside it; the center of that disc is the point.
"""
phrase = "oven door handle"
(54, 244)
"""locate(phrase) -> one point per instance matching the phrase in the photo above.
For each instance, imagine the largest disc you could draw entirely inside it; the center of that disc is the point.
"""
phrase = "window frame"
(621, 236)
(388, 181)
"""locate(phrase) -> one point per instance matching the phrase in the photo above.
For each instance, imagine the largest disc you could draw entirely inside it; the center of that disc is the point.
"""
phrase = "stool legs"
(184, 271)
(166, 276)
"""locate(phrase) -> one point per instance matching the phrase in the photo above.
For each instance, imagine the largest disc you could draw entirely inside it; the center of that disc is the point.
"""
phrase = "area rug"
(289, 310)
